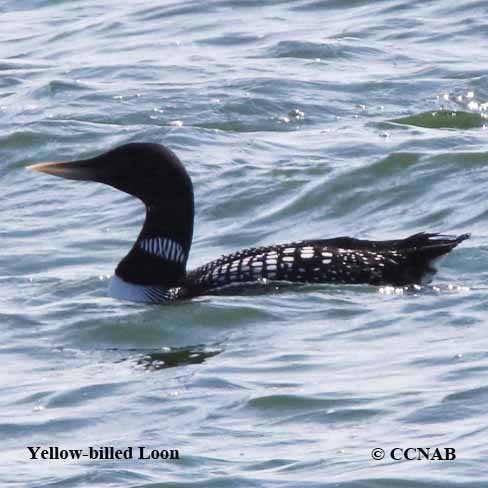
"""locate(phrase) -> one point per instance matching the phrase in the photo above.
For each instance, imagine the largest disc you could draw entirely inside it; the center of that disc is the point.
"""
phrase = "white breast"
(132, 292)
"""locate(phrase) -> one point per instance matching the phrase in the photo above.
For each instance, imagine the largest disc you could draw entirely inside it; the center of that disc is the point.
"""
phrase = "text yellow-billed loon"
(155, 269)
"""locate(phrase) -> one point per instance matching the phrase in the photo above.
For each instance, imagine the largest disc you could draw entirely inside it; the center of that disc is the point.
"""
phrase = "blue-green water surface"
(296, 119)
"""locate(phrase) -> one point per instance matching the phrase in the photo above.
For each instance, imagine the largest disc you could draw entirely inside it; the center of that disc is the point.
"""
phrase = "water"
(293, 387)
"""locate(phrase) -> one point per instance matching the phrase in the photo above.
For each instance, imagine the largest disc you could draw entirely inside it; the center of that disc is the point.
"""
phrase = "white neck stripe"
(163, 248)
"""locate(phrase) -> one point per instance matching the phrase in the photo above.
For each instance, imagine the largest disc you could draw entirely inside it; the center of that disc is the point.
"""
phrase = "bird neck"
(160, 253)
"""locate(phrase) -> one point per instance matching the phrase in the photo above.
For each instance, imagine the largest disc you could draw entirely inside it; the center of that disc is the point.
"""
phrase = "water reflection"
(170, 357)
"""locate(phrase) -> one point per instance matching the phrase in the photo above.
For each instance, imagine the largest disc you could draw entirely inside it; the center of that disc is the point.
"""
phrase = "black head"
(150, 172)
(156, 176)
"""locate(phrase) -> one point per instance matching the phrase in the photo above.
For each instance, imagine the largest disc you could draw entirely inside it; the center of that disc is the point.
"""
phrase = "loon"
(154, 270)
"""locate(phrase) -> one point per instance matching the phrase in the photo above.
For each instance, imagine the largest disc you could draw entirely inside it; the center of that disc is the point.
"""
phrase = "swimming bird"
(154, 270)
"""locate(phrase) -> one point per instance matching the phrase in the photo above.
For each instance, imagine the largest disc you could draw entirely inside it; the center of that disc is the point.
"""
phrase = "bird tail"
(424, 250)
(431, 245)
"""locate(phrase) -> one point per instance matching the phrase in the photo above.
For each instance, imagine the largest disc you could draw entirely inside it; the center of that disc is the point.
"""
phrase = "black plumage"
(339, 260)
(155, 268)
